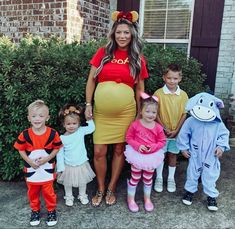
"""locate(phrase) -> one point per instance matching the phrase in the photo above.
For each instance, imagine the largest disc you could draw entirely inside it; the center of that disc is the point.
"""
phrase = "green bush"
(157, 60)
(56, 73)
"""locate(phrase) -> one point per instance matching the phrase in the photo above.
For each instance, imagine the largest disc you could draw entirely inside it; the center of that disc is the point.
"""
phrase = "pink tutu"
(144, 161)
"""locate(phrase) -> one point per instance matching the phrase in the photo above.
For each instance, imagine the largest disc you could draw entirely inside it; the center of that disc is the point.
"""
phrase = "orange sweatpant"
(48, 194)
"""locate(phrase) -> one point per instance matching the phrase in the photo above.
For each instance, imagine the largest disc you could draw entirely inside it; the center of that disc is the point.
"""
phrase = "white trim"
(113, 7)
(165, 23)
(167, 41)
(169, 9)
(191, 28)
(141, 17)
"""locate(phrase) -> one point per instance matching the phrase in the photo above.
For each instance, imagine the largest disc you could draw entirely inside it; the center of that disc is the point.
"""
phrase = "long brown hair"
(134, 49)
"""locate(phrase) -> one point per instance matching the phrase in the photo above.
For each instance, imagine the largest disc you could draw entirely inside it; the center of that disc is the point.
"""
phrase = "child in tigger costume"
(38, 147)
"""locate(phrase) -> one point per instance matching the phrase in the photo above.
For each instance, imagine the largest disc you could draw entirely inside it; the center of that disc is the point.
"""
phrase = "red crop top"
(118, 68)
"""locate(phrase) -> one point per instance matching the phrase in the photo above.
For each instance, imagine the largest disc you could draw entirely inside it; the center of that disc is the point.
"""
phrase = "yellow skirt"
(114, 110)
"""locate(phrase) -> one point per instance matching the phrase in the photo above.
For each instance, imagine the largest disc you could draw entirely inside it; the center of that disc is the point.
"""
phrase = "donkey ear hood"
(193, 101)
(205, 107)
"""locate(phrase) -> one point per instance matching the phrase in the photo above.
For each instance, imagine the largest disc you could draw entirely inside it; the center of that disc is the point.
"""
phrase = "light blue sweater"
(73, 152)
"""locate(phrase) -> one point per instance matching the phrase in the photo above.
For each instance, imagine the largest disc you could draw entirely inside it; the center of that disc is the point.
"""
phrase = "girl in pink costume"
(144, 152)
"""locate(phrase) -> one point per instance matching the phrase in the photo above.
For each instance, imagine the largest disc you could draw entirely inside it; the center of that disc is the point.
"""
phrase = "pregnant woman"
(116, 70)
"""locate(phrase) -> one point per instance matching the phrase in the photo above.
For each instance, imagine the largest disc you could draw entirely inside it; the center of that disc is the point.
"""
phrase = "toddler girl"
(73, 167)
(144, 152)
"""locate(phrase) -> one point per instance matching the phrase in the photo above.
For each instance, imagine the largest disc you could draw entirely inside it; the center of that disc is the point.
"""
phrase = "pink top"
(118, 68)
(138, 135)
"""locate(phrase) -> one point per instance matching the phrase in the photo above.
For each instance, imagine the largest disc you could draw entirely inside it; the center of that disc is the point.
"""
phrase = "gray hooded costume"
(201, 134)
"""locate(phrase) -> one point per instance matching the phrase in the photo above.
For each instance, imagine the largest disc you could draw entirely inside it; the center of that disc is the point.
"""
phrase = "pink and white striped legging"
(136, 176)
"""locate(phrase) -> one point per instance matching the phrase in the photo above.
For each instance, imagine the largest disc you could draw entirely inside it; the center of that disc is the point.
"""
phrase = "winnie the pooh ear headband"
(131, 16)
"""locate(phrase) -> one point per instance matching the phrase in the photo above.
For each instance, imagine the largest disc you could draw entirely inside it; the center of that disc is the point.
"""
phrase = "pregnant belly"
(113, 98)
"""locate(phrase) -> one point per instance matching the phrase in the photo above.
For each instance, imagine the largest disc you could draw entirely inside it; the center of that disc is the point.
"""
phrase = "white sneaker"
(171, 187)
(158, 186)
(188, 198)
(51, 218)
(35, 218)
(211, 204)
(69, 201)
(83, 199)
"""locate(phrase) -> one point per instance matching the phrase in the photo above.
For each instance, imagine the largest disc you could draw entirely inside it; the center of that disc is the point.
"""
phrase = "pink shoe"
(133, 207)
(148, 205)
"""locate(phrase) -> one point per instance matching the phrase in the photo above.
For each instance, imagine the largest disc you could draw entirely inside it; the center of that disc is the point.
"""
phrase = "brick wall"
(69, 19)
(96, 15)
(225, 78)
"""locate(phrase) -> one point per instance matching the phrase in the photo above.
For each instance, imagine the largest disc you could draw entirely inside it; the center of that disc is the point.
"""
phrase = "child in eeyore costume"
(203, 138)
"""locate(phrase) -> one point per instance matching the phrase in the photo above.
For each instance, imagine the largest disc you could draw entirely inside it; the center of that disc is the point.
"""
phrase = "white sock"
(159, 170)
(82, 190)
(171, 172)
(68, 191)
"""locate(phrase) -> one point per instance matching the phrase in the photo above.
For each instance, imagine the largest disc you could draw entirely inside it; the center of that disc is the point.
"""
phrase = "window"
(167, 22)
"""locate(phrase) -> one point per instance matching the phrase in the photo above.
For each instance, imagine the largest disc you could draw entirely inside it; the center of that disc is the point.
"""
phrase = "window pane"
(155, 4)
(179, 3)
(182, 47)
(178, 24)
(154, 24)
(167, 19)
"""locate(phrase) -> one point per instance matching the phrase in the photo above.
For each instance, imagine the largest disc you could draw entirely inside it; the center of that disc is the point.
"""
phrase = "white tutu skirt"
(76, 176)
(144, 161)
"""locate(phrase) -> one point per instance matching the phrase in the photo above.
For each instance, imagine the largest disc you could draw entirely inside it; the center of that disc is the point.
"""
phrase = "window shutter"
(128, 5)
(206, 31)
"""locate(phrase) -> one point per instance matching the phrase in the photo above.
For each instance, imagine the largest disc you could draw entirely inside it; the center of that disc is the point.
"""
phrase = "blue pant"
(209, 175)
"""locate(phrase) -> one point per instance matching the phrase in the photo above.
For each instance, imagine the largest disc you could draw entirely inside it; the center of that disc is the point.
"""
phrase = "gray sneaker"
(171, 187)
(158, 186)
(83, 199)
(69, 200)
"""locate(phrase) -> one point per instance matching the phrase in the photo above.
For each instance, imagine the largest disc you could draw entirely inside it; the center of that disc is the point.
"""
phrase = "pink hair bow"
(144, 95)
